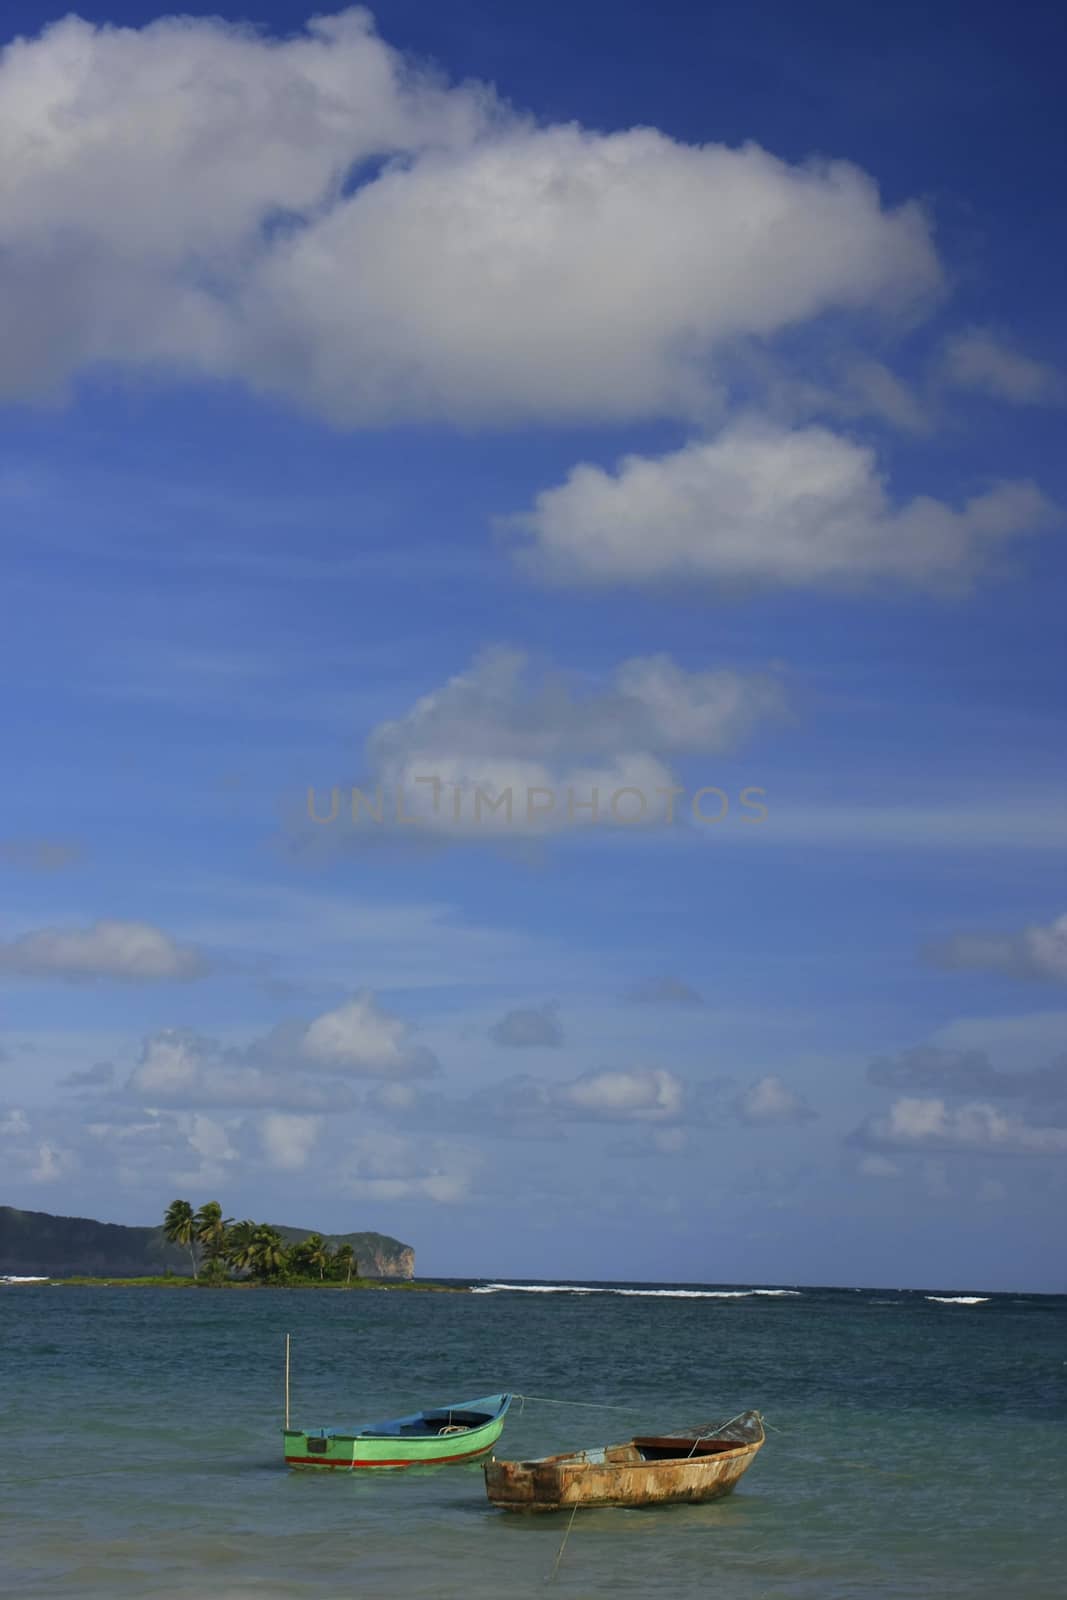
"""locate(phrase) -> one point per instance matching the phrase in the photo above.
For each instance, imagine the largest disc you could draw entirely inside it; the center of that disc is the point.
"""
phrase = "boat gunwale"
(372, 1432)
(572, 1459)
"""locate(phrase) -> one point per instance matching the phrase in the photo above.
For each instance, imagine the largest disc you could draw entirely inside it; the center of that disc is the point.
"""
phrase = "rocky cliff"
(376, 1254)
(34, 1242)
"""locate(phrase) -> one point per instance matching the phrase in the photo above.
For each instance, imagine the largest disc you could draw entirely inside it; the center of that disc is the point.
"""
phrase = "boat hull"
(620, 1475)
(424, 1439)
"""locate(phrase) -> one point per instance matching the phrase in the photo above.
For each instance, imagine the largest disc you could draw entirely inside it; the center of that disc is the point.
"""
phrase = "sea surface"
(916, 1445)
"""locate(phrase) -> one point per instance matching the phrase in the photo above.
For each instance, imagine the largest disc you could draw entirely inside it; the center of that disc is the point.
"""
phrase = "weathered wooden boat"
(457, 1432)
(690, 1466)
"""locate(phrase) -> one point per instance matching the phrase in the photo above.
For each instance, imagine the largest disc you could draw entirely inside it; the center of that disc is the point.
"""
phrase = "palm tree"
(268, 1253)
(316, 1253)
(209, 1226)
(346, 1260)
(179, 1227)
(240, 1248)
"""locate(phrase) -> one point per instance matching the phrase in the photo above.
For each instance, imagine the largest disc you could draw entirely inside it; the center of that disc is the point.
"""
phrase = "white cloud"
(361, 1039)
(564, 274)
(978, 359)
(638, 1096)
(14, 1124)
(492, 269)
(917, 1124)
(769, 1100)
(1039, 951)
(126, 952)
(296, 1067)
(552, 742)
(288, 1140)
(760, 504)
(178, 1067)
(210, 1140)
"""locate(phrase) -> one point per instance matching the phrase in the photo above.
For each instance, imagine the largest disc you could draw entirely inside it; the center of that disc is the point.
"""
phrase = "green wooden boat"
(456, 1432)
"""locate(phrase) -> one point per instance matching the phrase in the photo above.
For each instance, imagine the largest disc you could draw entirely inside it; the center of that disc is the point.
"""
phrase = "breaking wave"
(650, 1294)
(959, 1299)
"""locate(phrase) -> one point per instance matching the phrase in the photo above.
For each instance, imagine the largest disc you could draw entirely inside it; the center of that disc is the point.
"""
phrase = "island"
(200, 1249)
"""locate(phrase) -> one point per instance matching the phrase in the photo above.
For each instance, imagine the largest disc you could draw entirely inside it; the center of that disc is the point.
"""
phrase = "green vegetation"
(202, 1242)
(253, 1250)
(171, 1280)
(179, 1227)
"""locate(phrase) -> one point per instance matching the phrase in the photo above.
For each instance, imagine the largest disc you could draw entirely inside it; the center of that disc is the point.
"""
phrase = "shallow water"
(915, 1446)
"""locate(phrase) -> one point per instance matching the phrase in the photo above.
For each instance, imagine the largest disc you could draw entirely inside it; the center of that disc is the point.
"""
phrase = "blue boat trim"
(466, 1414)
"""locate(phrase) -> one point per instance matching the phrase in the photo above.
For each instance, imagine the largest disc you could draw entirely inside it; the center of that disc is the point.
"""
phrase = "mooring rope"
(563, 1545)
(588, 1405)
(597, 1405)
(713, 1432)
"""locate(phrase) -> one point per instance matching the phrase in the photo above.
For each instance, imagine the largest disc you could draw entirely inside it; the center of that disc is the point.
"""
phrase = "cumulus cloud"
(967, 1073)
(209, 1142)
(769, 1100)
(931, 1124)
(288, 1140)
(362, 1040)
(532, 1108)
(1039, 951)
(529, 1027)
(978, 359)
(123, 952)
(315, 216)
(638, 1096)
(760, 504)
(180, 1068)
(295, 1068)
(663, 991)
(41, 855)
(499, 750)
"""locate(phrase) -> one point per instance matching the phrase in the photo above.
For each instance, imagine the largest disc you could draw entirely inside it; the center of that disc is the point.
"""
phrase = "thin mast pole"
(287, 1382)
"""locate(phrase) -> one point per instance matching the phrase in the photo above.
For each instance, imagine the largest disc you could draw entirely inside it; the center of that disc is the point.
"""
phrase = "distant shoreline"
(368, 1285)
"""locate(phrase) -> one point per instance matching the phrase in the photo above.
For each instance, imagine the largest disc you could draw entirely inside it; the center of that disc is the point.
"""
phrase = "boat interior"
(427, 1425)
(642, 1449)
(680, 1449)
(462, 1418)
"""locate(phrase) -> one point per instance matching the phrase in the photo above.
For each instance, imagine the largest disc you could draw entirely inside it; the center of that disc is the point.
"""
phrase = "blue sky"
(536, 401)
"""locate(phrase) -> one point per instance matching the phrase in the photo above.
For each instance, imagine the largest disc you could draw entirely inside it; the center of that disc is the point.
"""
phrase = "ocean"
(915, 1444)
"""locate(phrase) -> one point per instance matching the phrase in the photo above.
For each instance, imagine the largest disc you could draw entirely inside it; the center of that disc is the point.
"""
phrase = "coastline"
(369, 1285)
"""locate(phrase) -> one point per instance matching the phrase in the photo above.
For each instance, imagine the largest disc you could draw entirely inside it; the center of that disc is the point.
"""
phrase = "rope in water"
(563, 1545)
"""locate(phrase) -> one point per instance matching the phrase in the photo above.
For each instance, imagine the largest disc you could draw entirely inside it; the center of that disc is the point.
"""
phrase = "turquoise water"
(914, 1448)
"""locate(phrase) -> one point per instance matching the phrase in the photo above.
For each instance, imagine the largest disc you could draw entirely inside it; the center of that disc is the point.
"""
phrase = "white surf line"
(959, 1299)
(649, 1294)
